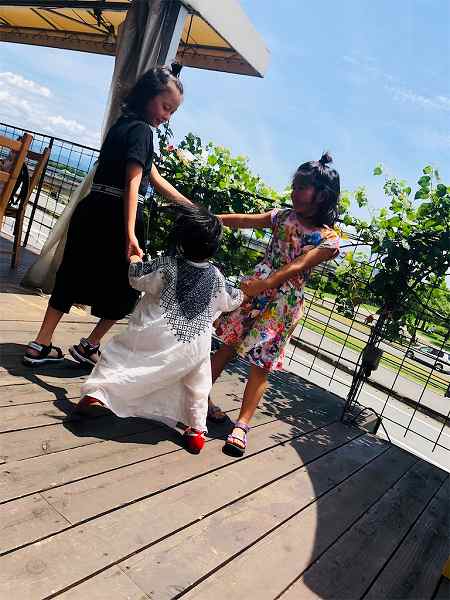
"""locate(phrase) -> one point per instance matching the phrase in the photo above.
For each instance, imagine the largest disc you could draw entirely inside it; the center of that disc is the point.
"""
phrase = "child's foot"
(91, 407)
(39, 354)
(215, 413)
(85, 353)
(194, 440)
(236, 443)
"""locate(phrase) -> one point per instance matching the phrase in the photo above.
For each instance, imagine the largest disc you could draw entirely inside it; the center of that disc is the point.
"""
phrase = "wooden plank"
(353, 562)
(45, 472)
(29, 393)
(47, 376)
(415, 569)
(26, 416)
(266, 568)
(234, 527)
(30, 443)
(35, 571)
(285, 459)
(70, 322)
(13, 342)
(113, 584)
(29, 519)
(238, 526)
(19, 445)
(88, 497)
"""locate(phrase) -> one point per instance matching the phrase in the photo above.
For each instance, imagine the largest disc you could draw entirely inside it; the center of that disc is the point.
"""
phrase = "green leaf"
(378, 170)
(428, 170)
(441, 190)
(424, 181)
(360, 197)
(421, 195)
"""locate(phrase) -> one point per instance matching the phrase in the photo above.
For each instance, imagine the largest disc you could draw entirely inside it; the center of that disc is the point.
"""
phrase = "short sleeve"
(139, 144)
(277, 215)
(228, 298)
(145, 276)
(273, 216)
(329, 240)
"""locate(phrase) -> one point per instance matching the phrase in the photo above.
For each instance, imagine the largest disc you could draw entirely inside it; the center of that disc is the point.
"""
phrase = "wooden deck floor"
(116, 508)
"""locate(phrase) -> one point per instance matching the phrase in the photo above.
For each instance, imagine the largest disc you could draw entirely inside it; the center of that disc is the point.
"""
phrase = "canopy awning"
(217, 34)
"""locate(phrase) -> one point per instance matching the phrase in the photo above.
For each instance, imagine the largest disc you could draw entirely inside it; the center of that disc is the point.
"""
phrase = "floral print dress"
(260, 329)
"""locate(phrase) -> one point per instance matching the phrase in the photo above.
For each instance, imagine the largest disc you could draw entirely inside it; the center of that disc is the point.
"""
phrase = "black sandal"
(85, 353)
(31, 359)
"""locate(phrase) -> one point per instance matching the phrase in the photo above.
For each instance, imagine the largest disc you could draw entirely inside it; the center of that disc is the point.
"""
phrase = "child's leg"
(219, 361)
(100, 330)
(41, 351)
(254, 390)
(51, 319)
(87, 351)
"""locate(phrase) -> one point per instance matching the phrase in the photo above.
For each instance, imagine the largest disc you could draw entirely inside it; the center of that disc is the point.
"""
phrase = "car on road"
(432, 357)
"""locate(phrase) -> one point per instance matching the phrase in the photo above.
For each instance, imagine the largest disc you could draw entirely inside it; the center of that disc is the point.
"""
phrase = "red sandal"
(91, 407)
(193, 440)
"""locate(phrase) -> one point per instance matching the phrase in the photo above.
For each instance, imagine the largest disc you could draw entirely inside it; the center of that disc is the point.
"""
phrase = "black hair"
(151, 84)
(196, 232)
(325, 181)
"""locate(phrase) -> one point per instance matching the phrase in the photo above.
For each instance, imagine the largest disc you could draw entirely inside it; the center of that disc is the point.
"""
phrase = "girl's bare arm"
(243, 221)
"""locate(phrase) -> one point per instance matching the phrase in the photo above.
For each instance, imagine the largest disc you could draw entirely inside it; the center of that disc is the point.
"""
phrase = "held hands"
(132, 248)
(253, 287)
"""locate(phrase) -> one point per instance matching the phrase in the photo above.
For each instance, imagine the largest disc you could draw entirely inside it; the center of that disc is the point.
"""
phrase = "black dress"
(94, 269)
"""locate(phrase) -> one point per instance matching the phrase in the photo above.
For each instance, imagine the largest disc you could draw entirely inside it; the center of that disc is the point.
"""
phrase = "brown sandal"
(216, 414)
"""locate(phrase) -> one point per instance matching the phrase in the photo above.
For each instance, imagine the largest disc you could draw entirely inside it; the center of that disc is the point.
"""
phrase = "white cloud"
(17, 81)
(432, 102)
(365, 68)
(28, 105)
(67, 124)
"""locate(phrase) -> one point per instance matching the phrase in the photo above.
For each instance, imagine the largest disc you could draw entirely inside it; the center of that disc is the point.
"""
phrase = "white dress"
(159, 367)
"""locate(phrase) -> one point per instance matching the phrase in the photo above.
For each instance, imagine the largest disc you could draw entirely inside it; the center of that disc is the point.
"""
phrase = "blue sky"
(369, 81)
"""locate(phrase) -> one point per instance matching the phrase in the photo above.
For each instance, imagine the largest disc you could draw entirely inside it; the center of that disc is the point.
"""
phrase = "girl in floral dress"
(303, 237)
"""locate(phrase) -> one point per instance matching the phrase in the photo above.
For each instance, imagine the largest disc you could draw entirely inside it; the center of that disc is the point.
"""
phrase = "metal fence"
(410, 391)
(67, 166)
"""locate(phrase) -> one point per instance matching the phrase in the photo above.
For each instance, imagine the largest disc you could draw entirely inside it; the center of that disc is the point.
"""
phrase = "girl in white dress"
(159, 367)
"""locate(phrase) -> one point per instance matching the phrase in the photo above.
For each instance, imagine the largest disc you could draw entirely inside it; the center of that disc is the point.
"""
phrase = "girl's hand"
(135, 258)
(132, 247)
(253, 287)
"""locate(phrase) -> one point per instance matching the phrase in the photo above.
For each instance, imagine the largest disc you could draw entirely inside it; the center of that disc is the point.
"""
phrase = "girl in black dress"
(108, 223)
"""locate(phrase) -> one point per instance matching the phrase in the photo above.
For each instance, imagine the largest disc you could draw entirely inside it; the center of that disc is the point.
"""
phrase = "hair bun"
(175, 69)
(325, 159)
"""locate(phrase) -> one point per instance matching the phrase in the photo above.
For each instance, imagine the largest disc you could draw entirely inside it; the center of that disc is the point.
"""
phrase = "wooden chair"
(19, 200)
(9, 178)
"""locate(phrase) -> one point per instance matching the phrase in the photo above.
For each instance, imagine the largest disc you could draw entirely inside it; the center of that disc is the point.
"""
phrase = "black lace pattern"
(187, 294)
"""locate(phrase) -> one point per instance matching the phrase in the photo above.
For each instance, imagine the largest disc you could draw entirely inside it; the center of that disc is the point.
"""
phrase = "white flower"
(185, 156)
(204, 157)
